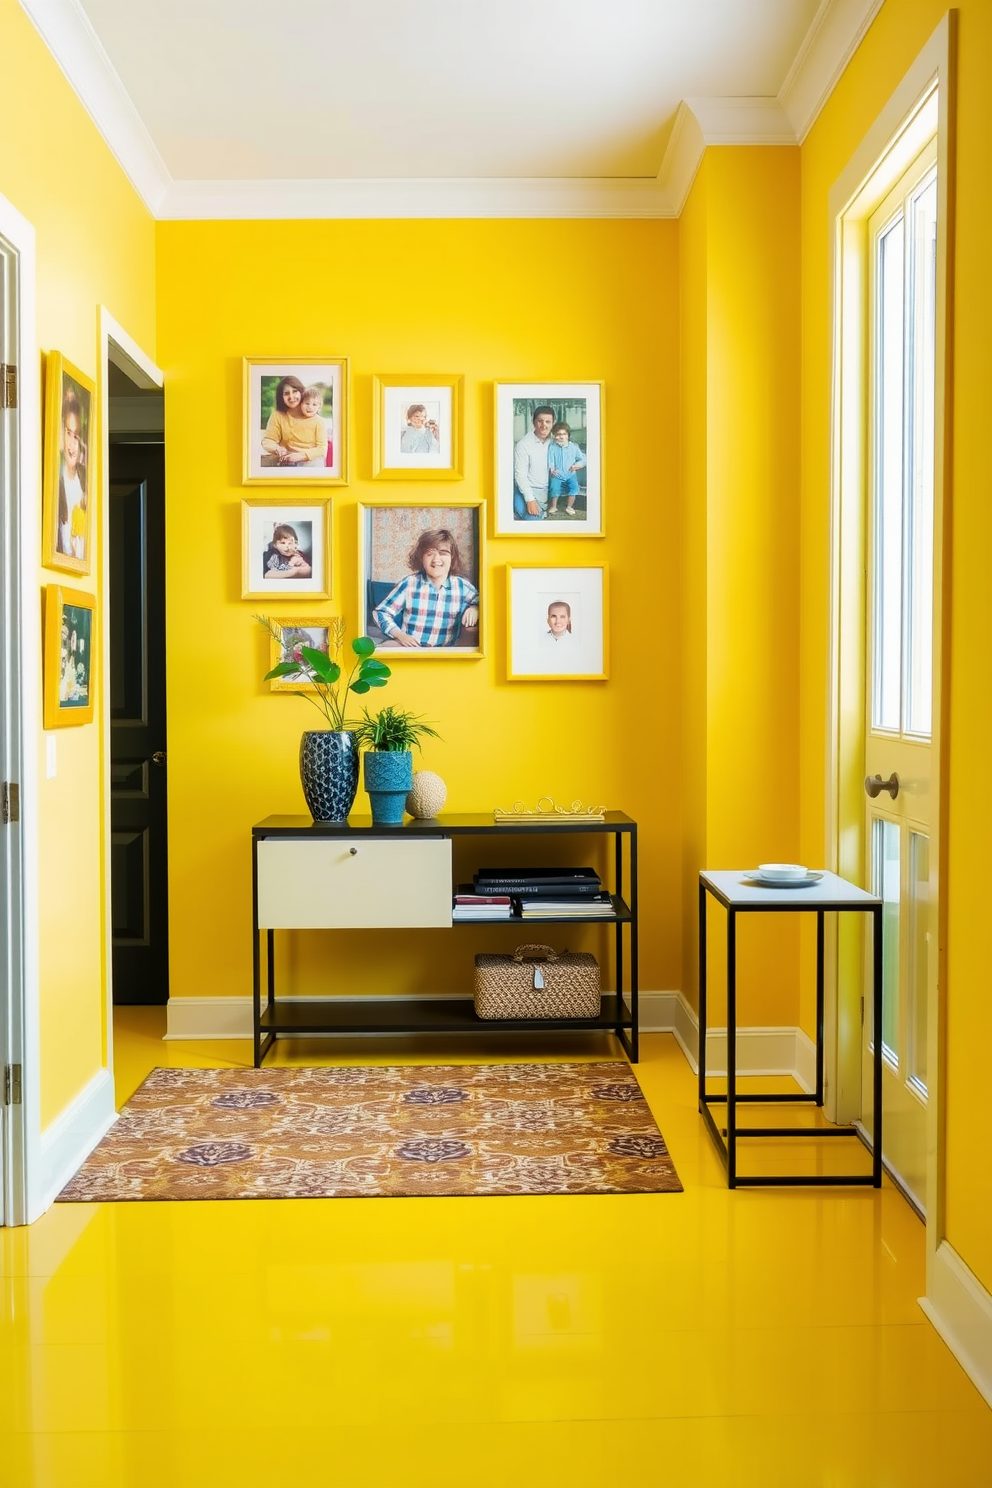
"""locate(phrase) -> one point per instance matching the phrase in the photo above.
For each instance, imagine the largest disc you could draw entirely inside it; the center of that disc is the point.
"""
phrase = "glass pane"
(919, 957)
(885, 883)
(919, 587)
(888, 503)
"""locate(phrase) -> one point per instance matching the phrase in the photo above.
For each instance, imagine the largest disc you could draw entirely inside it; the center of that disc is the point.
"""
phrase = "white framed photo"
(417, 431)
(549, 459)
(295, 421)
(285, 548)
(557, 623)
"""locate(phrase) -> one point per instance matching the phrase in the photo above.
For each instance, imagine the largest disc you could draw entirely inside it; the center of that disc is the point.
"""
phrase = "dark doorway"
(138, 760)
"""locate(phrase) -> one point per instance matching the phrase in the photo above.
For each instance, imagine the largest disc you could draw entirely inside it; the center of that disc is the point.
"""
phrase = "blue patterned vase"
(388, 778)
(329, 773)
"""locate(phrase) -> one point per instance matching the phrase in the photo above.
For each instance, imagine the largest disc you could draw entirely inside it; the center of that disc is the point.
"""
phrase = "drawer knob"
(353, 851)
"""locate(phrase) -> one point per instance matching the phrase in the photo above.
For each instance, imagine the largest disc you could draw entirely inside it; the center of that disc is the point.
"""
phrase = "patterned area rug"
(380, 1132)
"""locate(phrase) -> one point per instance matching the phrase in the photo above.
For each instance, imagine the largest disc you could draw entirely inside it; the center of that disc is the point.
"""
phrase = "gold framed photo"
(69, 475)
(69, 646)
(557, 627)
(286, 548)
(549, 459)
(295, 421)
(422, 578)
(417, 426)
(296, 631)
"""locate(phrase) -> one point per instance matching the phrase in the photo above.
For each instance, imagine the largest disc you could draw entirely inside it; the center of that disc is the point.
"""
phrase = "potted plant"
(389, 738)
(329, 755)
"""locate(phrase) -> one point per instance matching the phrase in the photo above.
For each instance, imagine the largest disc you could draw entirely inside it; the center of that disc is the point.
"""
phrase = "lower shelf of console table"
(308, 875)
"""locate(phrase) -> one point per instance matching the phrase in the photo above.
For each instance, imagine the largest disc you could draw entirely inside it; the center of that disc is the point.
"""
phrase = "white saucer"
(783, 883)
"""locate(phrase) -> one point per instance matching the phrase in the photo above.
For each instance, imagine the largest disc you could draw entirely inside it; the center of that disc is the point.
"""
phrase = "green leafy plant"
(326, 674)
(393, 729)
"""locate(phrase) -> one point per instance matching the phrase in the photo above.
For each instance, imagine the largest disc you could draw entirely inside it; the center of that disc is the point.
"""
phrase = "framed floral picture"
(549, 459)
(557, 623)
(68, 479)
(294, 632)
(285, 548)
(295, 421)
(422, 578)
(69, 643)
(417, 426)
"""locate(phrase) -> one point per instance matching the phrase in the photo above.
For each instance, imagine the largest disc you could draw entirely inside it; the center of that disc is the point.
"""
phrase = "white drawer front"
(342, 884)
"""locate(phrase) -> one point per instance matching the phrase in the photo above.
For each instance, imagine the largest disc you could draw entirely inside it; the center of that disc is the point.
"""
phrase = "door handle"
(874, 785)
(158, 758)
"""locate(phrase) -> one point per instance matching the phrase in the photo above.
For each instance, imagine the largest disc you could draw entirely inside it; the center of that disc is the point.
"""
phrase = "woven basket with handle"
(537, 982)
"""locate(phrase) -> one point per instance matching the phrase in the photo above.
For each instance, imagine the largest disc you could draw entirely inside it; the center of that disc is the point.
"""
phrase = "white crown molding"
(77, 49)
(832, 39)
(503, 197)
(838, 29)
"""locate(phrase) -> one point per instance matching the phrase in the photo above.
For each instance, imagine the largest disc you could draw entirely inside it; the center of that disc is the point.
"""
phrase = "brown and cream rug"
(375, 1132)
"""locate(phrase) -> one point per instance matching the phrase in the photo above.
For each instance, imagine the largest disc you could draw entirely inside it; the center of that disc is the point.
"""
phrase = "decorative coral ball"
(427, 795)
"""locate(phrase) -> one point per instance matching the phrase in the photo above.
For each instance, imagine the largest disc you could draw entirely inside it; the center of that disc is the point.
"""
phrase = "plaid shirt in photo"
(432, 616)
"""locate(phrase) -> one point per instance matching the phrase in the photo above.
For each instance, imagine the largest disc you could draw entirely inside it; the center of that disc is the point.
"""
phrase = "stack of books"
(548, 893)
(471, 904)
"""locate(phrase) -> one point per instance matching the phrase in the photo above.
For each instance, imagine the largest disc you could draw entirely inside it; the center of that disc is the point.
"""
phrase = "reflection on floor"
(764, 1337)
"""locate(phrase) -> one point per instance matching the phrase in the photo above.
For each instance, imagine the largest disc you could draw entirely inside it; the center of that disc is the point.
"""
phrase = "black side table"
(739, 896)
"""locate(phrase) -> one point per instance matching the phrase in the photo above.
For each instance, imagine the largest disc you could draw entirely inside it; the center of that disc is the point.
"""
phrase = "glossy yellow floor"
(765, 1339)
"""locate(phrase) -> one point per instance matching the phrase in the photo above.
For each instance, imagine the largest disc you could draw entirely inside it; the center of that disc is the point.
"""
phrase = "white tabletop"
(734, 890)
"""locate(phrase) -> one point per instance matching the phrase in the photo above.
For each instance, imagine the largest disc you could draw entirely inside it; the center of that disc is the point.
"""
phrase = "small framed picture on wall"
(69, 669)
(68, 479)
(295, 632)
(557, 623)
(417, 426)
(549, 459)
(295, 421)
(285, 549)
(421, 578)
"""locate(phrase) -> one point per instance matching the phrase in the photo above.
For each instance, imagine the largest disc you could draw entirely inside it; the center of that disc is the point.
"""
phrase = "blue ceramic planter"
(329, 773)
(388, 778)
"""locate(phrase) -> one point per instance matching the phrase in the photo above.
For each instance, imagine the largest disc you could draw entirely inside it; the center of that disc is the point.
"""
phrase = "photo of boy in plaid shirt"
(429, 606)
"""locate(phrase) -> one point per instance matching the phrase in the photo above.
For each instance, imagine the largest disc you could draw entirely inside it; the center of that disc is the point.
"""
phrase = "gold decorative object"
(546, 808)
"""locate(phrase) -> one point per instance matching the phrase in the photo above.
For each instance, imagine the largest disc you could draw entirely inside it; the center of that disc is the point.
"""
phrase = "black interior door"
(138, 810)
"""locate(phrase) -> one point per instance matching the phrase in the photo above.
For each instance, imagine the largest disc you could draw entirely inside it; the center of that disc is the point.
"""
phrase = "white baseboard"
(760, 1051)
(72, 1136)
(961, 1310)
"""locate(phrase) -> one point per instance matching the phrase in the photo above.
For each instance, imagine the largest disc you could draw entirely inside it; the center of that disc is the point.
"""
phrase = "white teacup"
(782, 872)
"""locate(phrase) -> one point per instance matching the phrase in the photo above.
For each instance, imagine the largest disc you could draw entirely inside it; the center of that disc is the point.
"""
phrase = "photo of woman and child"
(71, 529)
(74, 674)
(436, 603)
(297, 427)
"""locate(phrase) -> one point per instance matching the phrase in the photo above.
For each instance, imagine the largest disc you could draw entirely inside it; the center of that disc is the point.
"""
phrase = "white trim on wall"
(833, 37)
(72, 1136)
(960, 1309)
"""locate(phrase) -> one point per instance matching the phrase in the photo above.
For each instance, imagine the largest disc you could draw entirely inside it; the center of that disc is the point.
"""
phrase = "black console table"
(312, 875)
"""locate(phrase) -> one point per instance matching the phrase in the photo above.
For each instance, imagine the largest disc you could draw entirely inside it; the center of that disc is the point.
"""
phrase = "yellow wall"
(95, 244)
(740, 305)
(893, 41)
(509, 300)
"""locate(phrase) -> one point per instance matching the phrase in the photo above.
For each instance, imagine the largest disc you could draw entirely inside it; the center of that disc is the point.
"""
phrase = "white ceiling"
(373, 107)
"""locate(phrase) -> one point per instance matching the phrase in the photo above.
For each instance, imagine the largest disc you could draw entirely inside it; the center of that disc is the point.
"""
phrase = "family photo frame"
(286, 548)
(69, 669)
(295, 421)
(68, 467)
(421, 578)
(296, 631)
(549, 459)
(417, 426)
(557, 623)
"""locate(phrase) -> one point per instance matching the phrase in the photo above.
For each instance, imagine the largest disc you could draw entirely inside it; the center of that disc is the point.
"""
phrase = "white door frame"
(20, 701)
(890, 142)
(118, 347)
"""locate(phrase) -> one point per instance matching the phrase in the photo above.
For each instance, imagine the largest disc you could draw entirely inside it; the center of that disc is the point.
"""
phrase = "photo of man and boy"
(549, 458)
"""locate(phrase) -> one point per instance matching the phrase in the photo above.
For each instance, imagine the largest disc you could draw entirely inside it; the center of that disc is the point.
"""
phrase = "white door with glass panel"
(900, 775)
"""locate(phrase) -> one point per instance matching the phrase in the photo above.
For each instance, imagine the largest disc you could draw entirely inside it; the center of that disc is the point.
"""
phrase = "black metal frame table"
(739, 896)
(449, 1015)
